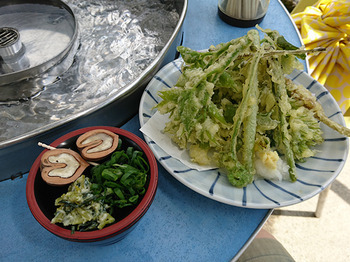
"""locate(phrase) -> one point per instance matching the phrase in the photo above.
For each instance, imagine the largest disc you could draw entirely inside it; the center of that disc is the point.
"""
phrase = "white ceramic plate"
(314, 175)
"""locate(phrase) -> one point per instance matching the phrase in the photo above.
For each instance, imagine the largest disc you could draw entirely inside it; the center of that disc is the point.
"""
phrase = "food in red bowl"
(108, 183)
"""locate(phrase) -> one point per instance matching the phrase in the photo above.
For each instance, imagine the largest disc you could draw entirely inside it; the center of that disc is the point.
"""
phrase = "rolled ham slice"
(97, 144)
(61, 166)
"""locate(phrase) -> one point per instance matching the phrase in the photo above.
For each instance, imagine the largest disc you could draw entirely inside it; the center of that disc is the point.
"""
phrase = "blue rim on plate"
(314, 175)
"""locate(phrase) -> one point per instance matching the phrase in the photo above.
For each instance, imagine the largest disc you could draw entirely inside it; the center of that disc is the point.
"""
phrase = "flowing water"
(117, 40)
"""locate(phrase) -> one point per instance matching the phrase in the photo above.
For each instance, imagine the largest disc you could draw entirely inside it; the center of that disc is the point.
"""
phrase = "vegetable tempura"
(234, 107)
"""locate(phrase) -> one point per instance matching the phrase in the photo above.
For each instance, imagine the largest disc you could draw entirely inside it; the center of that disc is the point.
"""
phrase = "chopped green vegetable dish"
(80, 207)
(233, 104)
(119, 182)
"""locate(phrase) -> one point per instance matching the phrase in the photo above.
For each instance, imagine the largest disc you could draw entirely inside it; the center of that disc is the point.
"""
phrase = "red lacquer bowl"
(41, 196)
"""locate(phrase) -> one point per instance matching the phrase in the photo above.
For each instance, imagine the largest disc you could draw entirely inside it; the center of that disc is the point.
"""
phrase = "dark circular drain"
(8, 36)
(10, 46)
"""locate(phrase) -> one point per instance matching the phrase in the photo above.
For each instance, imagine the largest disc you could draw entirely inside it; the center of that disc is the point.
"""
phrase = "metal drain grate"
(8, 36)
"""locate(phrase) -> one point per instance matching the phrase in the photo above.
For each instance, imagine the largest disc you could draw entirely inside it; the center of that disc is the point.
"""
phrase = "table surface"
(181, 225)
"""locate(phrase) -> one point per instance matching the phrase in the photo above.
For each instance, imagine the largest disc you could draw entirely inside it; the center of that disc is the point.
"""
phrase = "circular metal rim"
(123, 92)
(36, 70)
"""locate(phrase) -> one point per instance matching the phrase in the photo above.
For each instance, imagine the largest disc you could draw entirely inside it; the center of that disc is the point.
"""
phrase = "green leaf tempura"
(233, 104)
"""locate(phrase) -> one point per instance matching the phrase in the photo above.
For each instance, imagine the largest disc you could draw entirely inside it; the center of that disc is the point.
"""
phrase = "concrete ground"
(308, 238)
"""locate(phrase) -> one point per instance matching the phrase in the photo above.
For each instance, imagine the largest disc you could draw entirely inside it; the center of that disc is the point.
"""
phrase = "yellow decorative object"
(327, 24)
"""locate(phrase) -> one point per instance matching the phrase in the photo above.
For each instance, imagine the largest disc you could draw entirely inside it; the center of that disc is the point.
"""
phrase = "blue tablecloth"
(203, 27)
(181, 225)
